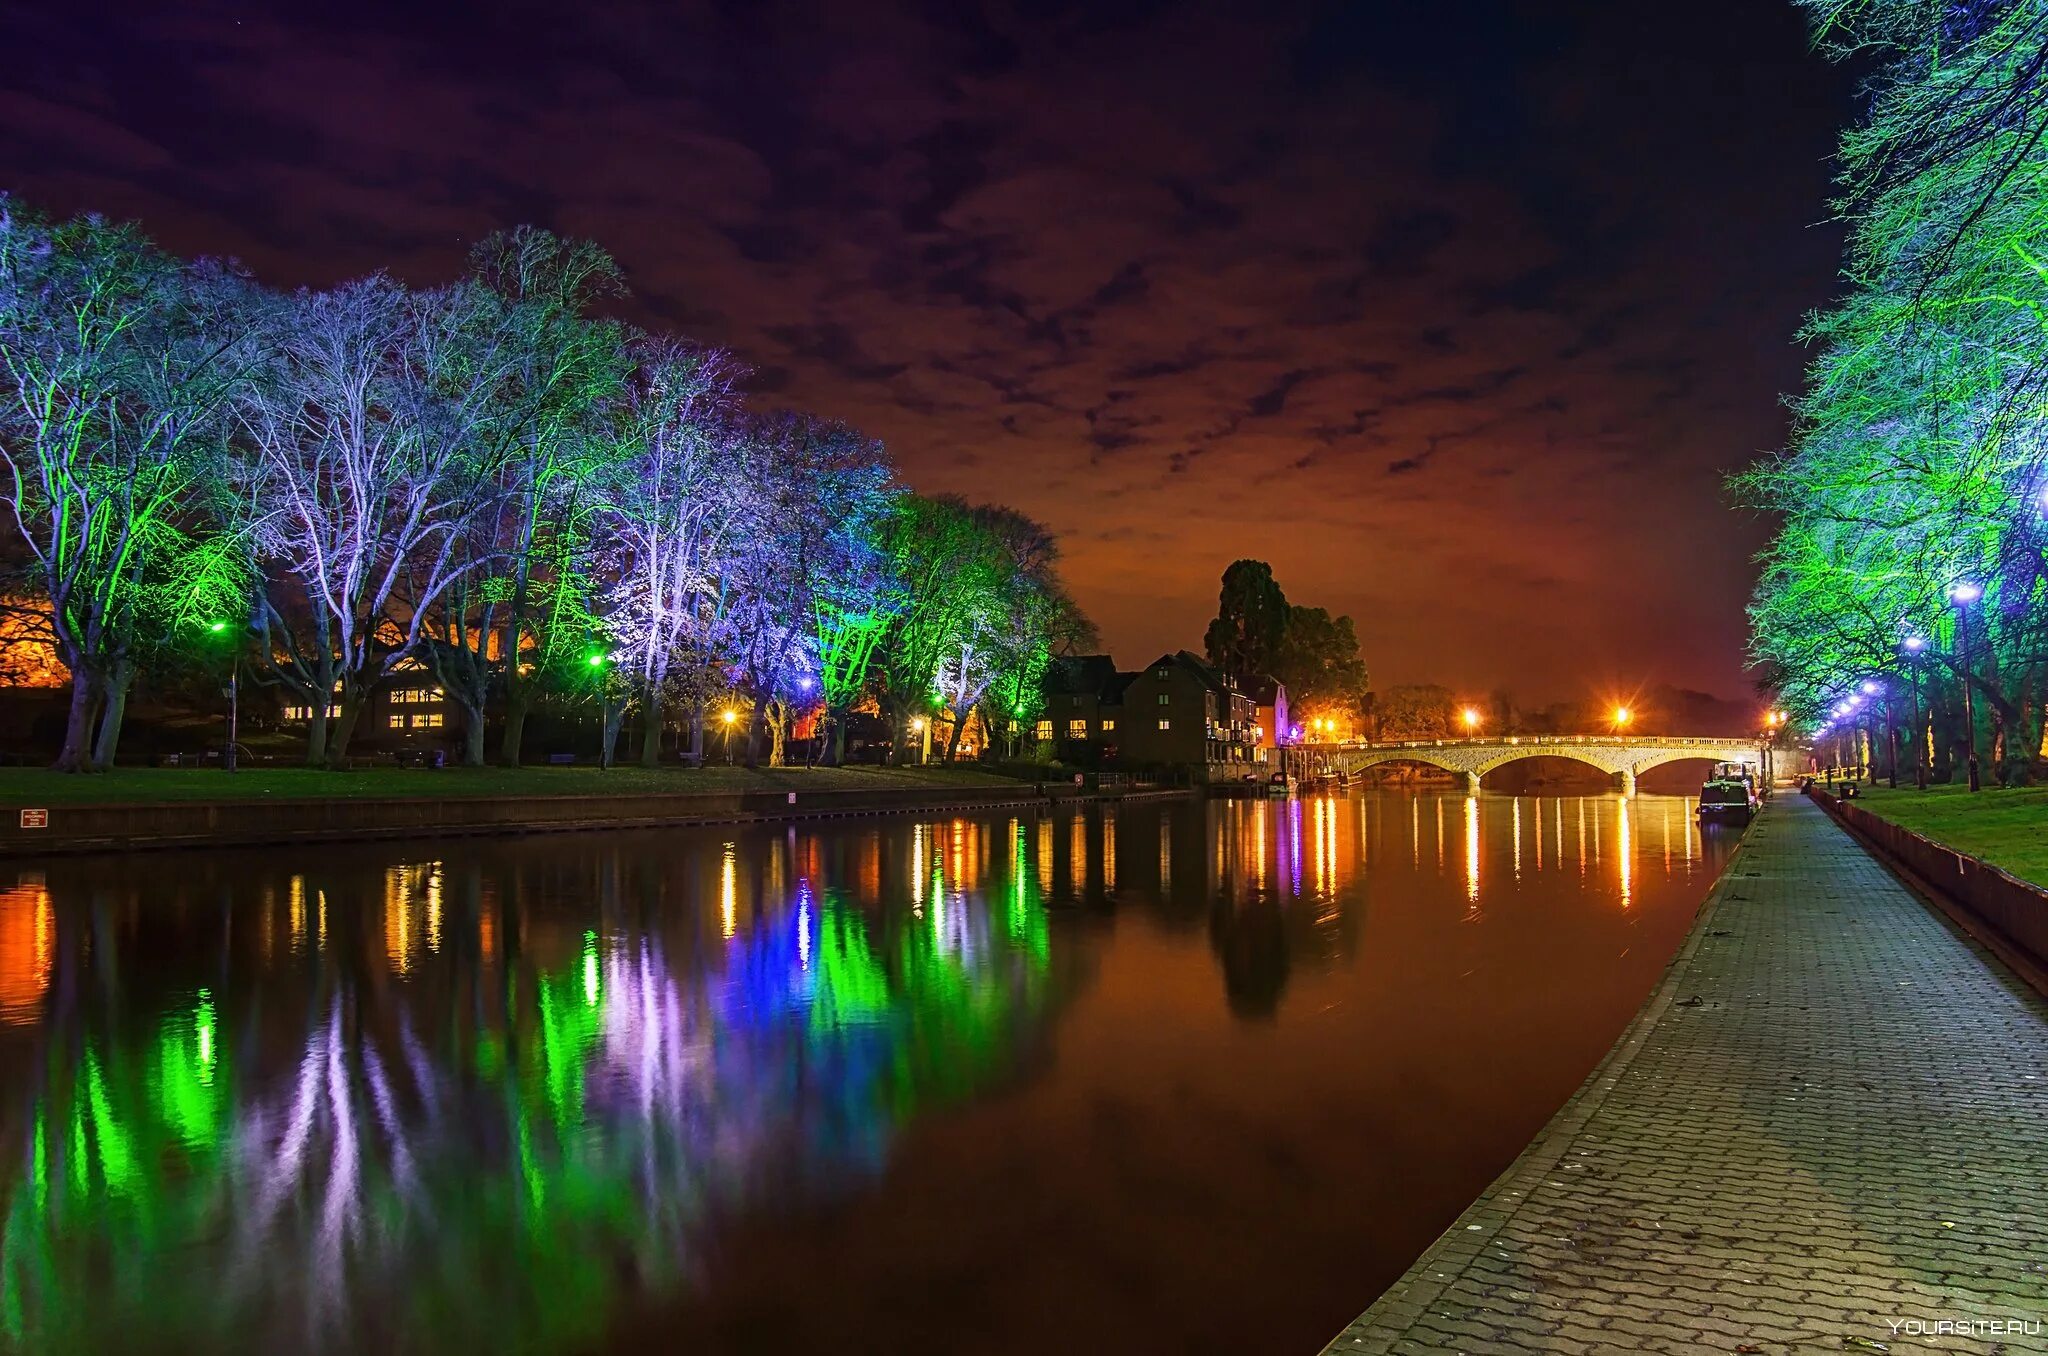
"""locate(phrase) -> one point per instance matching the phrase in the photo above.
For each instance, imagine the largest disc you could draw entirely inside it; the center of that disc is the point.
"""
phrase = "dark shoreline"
(72, 829)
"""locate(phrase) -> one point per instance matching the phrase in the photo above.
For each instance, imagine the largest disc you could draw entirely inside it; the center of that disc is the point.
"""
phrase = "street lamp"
(1622, 716)
(726, 719)
(923, 729)
(1470, 715)
(220, 628)
(1962, 595)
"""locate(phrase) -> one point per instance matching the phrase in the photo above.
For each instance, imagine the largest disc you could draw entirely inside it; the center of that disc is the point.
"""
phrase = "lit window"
(397, 721)
(1160, 674)
(1077, 729)
(1045, 729)
(427, 720)
(1164, 699)
(1108, 725)
(1165, 724)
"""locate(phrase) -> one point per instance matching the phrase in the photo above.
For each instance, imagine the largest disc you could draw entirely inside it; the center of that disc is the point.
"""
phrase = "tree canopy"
(482, 479)
(1910, 552)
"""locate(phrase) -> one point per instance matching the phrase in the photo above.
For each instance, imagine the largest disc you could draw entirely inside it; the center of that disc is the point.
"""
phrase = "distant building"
(412, 711)
(1177, 712)
(1270, 697)
(1083, 706)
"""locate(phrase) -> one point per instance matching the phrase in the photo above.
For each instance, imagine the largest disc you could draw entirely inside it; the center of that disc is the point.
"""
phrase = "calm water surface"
(1174, 1077)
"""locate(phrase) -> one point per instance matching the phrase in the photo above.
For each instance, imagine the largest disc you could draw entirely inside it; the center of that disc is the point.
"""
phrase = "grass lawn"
(39, 787)
(2006, 828)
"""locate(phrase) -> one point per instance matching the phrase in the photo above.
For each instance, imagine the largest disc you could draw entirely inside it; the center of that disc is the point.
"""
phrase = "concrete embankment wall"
(2005, 913)
(115, 828)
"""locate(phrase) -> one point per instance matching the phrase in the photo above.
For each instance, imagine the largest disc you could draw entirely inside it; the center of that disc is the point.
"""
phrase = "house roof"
(1266, 691)
(1084, 675)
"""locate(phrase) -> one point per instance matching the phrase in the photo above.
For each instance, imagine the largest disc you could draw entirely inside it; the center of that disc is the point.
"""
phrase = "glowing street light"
(228, 761)
(1622, 716)
(1470, 715)
(1962, 595)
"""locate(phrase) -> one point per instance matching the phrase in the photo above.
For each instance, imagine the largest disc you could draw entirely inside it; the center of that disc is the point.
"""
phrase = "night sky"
(1456, 313)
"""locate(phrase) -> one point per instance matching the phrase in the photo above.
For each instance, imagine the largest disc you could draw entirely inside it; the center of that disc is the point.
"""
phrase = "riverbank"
(134, 809)
(1827, 1128)
(150, 786)
(2008, 829)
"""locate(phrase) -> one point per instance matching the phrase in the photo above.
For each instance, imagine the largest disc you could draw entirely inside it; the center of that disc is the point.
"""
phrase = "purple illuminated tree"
(376, 441)
(815, 494)
(668, 523)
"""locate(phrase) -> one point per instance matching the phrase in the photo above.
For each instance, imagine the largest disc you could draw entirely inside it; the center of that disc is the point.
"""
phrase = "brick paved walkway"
(1832, 1116)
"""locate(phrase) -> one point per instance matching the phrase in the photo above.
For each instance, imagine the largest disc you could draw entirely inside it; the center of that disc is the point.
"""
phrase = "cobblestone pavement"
(1831, 1118)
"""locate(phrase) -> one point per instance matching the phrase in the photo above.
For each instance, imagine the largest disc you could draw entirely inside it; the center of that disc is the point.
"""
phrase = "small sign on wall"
(35, 819)
(792, 798)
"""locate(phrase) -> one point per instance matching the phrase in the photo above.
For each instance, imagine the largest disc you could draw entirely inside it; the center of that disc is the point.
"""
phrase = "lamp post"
(726, 719)
(1470, 717)
(1913, 645)
(923, 729)
(607, 738)
(1622, 716)
(1962, 595)
(227, 760)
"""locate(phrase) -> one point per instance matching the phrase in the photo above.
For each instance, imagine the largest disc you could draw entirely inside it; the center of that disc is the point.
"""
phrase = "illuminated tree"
(377, 440)
(668, 525)
(115, 364)
(815, 495)
(1917, 463)
(508, 627)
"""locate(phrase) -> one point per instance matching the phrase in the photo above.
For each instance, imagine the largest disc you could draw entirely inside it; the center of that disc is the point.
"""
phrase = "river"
(1175, 1076)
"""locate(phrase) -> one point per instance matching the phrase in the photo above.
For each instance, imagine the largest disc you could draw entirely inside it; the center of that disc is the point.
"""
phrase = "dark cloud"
(1455, 313)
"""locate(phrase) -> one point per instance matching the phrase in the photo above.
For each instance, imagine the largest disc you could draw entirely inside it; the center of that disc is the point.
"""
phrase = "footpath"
(1826, 1131)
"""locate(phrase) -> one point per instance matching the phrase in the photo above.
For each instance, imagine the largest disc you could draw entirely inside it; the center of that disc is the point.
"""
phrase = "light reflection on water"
(546, 1093)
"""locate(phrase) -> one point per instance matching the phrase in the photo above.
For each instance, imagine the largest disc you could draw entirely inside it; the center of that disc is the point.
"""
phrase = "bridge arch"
(1606, 767)
(1620, 756)
(1665, 757)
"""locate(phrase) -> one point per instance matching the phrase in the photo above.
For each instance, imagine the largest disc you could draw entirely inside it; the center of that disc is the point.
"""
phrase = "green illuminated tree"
(115, 365)
(1916, 467)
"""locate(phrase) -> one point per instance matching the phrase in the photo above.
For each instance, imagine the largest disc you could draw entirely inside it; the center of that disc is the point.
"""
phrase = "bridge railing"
(1504, 741)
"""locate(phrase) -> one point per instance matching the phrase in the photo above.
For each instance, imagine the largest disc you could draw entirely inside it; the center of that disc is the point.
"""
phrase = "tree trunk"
(697, 733)
(650, 730)
(960, 720)
(112, 710)
(614, 716)
(833, 752)
(473, 736)
(316, 732)
(754, 726)
(515, 729)
(344, 729)
(76, 754)
(778, 731)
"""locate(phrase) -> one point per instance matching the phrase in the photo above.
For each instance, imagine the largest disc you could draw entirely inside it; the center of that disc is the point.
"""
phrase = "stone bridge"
(1623, 756)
